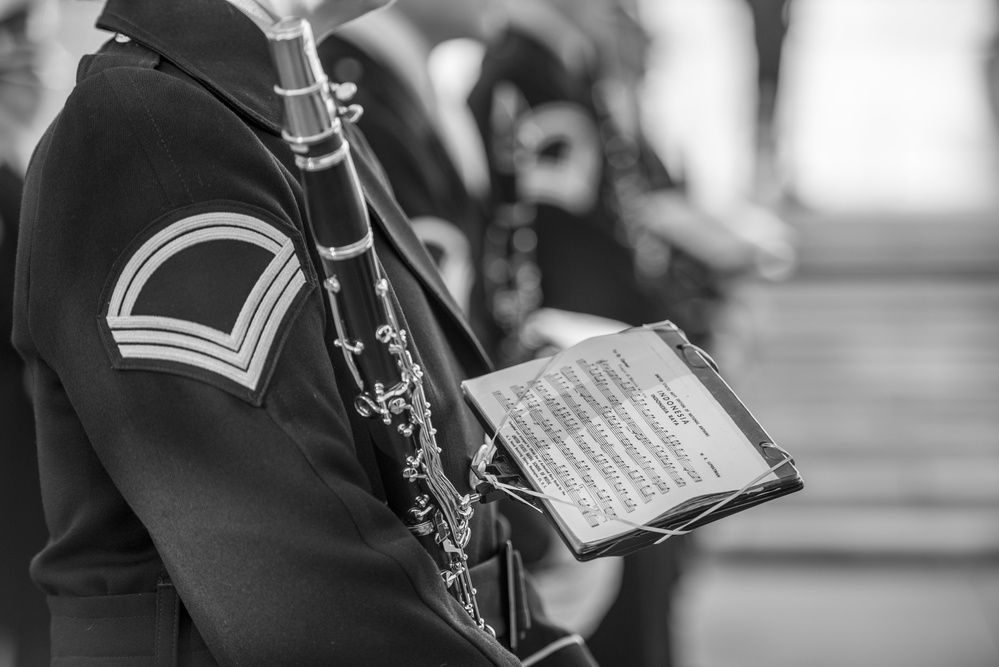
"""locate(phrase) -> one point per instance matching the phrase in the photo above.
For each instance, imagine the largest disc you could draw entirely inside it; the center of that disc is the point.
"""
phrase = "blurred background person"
(770, 23)
(557, 247)
(24, 32)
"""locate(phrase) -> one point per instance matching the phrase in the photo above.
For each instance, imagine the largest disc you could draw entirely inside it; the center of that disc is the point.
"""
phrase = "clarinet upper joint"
(365, 312)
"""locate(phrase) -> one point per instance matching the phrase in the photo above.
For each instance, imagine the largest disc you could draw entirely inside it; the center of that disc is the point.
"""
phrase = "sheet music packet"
(624, 440)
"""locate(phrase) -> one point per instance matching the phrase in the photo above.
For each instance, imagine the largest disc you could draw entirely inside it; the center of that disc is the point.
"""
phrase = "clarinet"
(375, 347)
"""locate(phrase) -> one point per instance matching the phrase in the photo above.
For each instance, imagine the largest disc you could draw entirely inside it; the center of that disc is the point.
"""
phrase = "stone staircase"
(877, 367)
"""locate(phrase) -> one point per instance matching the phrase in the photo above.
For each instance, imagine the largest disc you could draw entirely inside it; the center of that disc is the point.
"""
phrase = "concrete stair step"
(782, 529)
(874, 504)
(877, 367)
(859, 436)
(880, 480)
(878, 244)
(889, 420)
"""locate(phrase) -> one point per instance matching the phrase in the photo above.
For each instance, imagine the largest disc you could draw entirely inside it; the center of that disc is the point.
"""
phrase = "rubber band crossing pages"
(624, 440)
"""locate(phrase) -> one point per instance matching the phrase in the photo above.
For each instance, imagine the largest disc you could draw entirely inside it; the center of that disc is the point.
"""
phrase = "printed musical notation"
(624, 432)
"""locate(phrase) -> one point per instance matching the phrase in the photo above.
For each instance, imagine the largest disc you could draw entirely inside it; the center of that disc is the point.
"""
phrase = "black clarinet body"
(375, 347)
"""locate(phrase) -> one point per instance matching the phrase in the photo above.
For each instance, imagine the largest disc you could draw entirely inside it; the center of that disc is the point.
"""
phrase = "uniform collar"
(210, 41)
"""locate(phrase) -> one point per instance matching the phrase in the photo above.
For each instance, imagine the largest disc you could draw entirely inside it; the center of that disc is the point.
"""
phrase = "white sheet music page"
(618, 424)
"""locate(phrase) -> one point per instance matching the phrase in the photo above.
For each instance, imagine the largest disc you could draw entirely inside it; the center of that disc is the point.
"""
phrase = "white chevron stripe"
(259, 300)
(247, 376)
(280, 270)
(239, 354)
(218, 226)
(232, 349)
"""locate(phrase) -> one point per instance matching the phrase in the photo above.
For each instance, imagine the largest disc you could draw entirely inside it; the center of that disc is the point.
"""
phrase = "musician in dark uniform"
(574, 174)
(212, 495)
(574, 169)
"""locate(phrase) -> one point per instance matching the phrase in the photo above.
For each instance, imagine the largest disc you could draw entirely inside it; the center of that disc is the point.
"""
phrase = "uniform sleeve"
(170, 290)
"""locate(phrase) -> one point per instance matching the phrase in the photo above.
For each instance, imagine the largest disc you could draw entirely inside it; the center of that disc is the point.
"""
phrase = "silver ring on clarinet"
(348, 251)
(323, 161)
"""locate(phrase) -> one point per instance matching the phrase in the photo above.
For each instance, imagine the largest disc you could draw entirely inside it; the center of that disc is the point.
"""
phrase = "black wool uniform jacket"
(193, 412)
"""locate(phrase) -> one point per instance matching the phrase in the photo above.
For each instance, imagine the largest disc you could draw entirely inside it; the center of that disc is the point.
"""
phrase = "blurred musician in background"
(559, 258)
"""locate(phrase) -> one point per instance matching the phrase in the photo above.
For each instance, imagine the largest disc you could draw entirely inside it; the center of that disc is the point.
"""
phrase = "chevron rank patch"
(209, 295)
